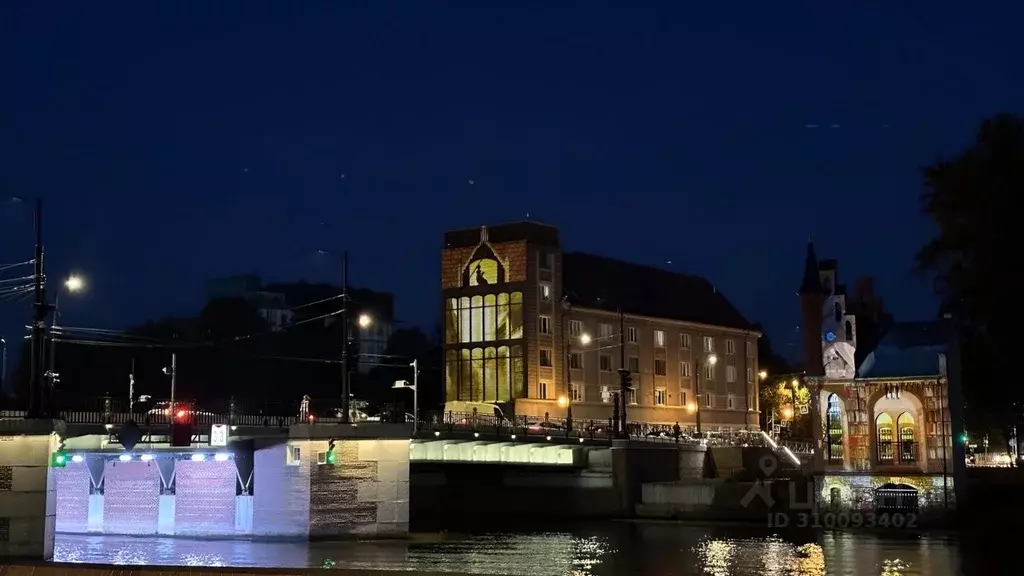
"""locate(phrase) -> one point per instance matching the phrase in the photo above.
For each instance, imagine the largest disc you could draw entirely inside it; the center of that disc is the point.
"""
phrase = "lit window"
(606, 395)
(575, 393)
(632, 335)
(709, 344)
(544, 324)
(659, 397)
(684, 369)
(659, 338)
(545, 293)
(545, 357)
(631, 396)
(660, 366)
(575, 328)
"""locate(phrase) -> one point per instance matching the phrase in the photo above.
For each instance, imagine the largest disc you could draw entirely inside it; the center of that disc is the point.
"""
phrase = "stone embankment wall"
(94, 570)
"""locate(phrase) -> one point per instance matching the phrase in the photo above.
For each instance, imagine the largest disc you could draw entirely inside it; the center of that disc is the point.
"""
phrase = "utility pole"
(3, 368)
(415, 396)
(696, 391)
(624, 380)
(37, 407)
(345, 393)
(174, 380)
(52, 372)
(131, 390)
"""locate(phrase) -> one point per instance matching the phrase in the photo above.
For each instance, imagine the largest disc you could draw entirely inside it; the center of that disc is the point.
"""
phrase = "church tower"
(812, 300)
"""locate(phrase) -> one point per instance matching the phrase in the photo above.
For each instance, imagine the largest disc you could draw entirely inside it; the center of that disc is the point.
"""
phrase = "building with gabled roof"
(547, 334)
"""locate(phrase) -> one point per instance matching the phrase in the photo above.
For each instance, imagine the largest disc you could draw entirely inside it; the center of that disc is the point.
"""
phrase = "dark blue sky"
(175, 141)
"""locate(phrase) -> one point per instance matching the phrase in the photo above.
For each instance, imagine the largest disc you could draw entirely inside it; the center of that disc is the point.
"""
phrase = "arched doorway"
(907, 441)
(895, 498)
(834, 425)
(884, 438)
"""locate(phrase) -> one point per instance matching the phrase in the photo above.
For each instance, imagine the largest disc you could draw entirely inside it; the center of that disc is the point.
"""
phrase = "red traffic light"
(182, 414)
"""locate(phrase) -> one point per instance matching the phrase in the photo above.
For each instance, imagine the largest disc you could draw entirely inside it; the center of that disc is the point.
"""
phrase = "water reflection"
(614, 549)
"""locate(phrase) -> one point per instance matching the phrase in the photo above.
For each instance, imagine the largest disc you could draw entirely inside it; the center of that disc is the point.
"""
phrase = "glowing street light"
(787, 412)
(585, 339)
(712, 360)
(74, 283)
(563, 401)
(762, 374)
(364, 320)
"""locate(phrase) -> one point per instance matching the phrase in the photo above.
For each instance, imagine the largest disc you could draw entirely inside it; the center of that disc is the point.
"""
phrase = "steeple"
(811, 283)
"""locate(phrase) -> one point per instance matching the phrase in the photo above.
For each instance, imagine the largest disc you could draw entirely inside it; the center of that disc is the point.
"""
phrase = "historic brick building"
(544, 332)
(885, 437)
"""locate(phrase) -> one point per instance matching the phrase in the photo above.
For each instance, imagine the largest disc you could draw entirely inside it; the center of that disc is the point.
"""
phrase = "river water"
(606, 549)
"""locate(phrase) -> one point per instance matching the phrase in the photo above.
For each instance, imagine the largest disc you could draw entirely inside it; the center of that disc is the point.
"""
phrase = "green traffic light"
(58, 460)
(964, 438)
(332, 458)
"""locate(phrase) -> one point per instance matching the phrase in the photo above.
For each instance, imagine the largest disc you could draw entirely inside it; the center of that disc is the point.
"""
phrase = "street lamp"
(74, 283)
(762, 374)
(709, 360)
(415, 394)
(365, 320)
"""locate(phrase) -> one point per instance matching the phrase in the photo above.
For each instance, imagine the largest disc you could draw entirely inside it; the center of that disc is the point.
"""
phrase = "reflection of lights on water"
(716, 555)
(894, 567)
(211, 560)
(586, 555)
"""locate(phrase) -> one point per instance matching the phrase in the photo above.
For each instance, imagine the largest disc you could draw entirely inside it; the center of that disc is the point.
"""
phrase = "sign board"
(804, 409)
(776, 429)
(219, 435)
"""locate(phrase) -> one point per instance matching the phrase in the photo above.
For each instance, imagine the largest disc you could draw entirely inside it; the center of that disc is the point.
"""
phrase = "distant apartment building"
(284, 303)
(539, 331)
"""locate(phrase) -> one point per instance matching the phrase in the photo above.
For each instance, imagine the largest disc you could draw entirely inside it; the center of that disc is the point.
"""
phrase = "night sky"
(176, 141)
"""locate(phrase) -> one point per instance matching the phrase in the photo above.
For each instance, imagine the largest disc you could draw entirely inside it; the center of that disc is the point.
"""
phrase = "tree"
(782, 399)
(968, 198)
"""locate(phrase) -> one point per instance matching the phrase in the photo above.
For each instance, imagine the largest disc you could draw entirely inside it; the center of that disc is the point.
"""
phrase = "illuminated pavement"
(648, 548)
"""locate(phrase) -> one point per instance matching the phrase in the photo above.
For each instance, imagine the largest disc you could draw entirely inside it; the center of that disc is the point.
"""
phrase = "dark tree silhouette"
(968, 198)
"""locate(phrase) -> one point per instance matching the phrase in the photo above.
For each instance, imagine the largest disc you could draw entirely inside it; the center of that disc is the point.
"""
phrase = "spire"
(811, 283)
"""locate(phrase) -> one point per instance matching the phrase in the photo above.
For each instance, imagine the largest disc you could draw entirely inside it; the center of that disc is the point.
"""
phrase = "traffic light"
(58, 459)
(332, 457)
(181, 428)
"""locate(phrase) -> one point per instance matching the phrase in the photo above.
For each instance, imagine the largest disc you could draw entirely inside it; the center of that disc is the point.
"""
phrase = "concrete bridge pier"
(28, 496)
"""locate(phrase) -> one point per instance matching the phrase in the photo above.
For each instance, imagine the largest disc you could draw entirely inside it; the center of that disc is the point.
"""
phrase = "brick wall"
(131, 498)
(280, 492)
(73, 486)
(204, 501)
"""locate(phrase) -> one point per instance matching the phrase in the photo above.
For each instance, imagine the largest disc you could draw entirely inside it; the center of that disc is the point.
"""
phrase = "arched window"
(849, 330)
(908, 445)
(883, 429)
(834, 424)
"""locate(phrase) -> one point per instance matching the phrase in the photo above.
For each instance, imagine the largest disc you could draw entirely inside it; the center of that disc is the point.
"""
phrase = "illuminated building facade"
(539, 331)
(885, 440)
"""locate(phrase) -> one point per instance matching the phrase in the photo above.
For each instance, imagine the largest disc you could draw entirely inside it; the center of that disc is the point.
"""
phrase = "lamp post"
(415, 394)
(364, 321)
(73, 284)
(709, 360)
(3, 367)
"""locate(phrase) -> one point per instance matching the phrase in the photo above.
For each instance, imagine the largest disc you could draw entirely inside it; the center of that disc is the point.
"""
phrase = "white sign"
(219, 435)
